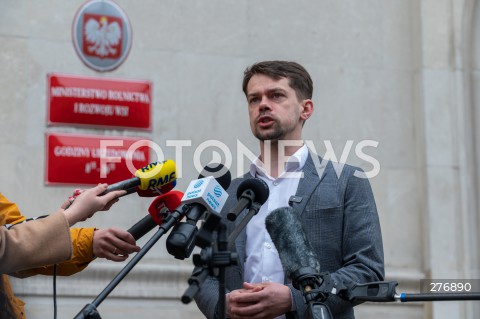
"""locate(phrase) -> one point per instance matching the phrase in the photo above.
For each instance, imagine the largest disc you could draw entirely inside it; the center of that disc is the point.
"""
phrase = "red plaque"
(89, 160)
(82, 100)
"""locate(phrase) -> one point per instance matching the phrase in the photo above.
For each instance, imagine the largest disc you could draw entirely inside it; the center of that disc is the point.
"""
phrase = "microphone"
(152, 192)
(204, 193)
(298, 259)
(154, 175)
(158, 210)
(149, 181)
(249, 191)
(294, 249)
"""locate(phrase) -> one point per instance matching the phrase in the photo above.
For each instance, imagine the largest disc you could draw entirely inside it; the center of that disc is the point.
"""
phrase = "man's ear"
(307, 109)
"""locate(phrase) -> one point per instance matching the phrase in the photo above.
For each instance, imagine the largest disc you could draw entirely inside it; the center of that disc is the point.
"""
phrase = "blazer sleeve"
(82, 244)
(35, 243)
(359, 241)
(362, 238)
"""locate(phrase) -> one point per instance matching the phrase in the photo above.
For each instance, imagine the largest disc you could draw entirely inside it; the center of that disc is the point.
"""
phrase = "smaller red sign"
(84, 100)
(89, 160)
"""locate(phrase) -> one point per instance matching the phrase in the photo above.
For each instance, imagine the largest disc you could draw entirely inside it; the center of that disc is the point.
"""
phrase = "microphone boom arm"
(251, 212)
(379, 291)
(245, 200)
(384, 291)
(89, 311)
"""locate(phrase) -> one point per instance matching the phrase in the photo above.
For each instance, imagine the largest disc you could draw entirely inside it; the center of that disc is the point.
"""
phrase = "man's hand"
(113, 244)
(258, 301)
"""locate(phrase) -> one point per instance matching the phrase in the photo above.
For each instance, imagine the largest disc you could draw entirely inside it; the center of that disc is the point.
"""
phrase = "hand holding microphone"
(113, 244)
(89, 202)
(152, 180)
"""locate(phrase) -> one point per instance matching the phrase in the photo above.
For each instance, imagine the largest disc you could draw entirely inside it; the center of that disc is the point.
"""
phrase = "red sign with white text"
(89, 160)
(82, 100)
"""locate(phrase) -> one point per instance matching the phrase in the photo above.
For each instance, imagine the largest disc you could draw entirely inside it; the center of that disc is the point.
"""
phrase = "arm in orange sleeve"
(82, 242)
(9, 212)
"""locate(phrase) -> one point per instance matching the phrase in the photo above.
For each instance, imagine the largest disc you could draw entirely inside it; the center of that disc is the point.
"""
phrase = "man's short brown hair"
(298, 77)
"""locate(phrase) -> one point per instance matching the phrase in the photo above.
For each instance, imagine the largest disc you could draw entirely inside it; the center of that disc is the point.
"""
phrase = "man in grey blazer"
(334, 202)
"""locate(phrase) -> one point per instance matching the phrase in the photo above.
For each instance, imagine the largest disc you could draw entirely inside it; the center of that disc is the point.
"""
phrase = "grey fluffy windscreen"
(289, 238)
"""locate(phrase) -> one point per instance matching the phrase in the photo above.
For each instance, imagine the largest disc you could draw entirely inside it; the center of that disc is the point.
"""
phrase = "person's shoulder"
(4, 199)
(336, 167)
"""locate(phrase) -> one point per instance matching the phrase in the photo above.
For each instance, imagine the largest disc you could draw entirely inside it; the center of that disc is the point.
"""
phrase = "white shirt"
(263, 262)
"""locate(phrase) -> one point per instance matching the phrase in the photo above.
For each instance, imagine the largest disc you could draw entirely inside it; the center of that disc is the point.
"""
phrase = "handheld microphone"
(249, 191)
(149, 181)
(158, 211)
(204, 193)
(153, 175)
(152, 192)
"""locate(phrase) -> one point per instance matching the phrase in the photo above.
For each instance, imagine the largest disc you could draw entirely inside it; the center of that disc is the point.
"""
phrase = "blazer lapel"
(313, 167)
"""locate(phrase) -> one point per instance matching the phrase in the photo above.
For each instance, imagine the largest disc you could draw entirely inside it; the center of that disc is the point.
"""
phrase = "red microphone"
(160, 208)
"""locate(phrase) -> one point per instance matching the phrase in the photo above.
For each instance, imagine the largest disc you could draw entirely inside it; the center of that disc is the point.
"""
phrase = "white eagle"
(102, 36)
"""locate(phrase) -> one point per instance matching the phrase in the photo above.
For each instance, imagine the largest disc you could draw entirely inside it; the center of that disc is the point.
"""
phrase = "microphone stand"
(216, 256)
(239, 228)
(90, 310)
(315, 288)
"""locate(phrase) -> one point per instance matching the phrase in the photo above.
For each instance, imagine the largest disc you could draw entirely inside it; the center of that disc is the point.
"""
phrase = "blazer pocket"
(326, 222)
(324, 230)
(323, 213)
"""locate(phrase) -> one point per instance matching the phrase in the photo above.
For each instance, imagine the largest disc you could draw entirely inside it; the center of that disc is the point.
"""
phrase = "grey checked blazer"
(340, 219)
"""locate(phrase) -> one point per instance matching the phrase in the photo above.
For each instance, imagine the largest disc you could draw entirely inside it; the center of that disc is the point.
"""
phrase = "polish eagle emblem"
(102, 36)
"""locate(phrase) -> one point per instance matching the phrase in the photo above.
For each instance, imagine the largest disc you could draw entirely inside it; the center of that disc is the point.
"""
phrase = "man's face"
(274, 110)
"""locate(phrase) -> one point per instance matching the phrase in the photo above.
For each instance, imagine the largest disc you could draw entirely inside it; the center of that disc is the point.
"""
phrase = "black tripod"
(216, 255)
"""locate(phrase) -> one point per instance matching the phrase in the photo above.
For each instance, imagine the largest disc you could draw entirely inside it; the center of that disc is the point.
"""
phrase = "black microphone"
(181, 240)
(298, 259)
(144, 225)
(248, 192)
